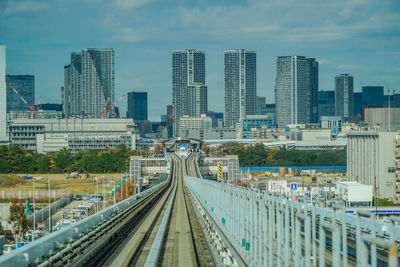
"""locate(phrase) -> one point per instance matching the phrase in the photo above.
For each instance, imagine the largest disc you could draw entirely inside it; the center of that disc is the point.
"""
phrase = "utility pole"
(34, 210)
(50, 221)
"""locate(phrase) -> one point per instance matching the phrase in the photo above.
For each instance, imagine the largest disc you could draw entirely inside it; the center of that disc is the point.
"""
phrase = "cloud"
(24, 7)
(130, 35)
(132, 3)
(346, 66)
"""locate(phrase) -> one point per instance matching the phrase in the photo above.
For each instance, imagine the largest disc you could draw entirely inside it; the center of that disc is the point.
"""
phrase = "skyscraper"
(188, 68)
(25, 85)
(373, 96)
(296, 96)
(358, 105)
(137, 106)
(89, 81)
(261, 108)
(3, 94)
(197, 99)
(326, 103)
(240, 85)
(344, 96)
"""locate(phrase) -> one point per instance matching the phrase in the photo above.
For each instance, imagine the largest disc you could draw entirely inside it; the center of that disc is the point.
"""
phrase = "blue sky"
(360, 37)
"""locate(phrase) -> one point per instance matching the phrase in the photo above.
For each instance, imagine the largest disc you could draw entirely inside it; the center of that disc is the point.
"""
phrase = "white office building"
(47, 135)
(370, 157)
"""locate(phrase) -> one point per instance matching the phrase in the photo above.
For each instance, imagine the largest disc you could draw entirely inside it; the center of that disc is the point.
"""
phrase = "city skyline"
(339, 35)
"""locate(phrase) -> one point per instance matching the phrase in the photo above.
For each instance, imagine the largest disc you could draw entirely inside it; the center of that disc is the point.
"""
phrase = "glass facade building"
(240, 85)
(137, 106)
(358, 104)
(25, 85)
(296, 94)
(372, 96)
(188, 68)
(344, 96)
(255, 122)
(326, 103)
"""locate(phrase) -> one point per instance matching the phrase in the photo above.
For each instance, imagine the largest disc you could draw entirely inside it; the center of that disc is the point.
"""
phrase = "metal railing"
(268, 229)
(45, 247)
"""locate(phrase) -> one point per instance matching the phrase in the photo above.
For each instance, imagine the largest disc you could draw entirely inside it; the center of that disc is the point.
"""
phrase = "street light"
(97, 194)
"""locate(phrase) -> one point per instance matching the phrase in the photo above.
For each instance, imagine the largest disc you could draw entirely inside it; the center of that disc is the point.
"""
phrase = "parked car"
(78, 197)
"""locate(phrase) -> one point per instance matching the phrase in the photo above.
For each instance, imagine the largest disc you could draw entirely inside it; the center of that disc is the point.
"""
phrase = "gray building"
(384, 118)
(370, 156)
(344, 96)
(3, 94)
(188, 68)
(296, 94)
(197, 99)
(137, 106)
(89, 82)
(240, 85)
(25, 85)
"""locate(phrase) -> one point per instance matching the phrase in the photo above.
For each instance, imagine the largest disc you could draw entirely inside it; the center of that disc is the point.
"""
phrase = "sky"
(359, 37)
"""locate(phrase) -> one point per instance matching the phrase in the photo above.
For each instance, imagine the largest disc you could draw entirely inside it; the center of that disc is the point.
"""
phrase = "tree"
(18, 220)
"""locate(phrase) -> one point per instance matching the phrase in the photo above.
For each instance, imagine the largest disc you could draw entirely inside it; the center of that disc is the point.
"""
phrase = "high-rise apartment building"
(89, 82)
(25, 85)
(296, 94)
(137, 106)
(240, 85)
(3, 94)
(188, 68)
(197, 99)
(344, 96)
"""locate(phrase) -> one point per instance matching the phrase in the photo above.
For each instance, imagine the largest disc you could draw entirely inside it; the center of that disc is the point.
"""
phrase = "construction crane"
(33, 108)
(110, 107)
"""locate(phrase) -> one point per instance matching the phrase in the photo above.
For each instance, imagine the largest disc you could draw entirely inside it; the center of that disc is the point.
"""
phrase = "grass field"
(14, 182)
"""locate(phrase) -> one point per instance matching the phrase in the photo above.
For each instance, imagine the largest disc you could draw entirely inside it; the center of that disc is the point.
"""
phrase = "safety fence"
(268, 229)
(43, 247)
(295, 168)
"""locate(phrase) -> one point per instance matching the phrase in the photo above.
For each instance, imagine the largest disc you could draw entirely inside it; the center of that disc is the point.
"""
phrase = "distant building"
(326, 103)
(296, 96)
(261, 109)
(51, 106)
(188, 68)
(217, 119)
(332, 122)
(240, 85)
(170, 120)
(197, 99)
(137, 106)
(270, 111)
(194, 123)
(358, 105)
(3, 95)
(89, 82)
(48, 135)
(384, 118)
(372, 96)
(255, 122)
(25, 85)
(344, 96)
(370, 158)
(164, 118)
